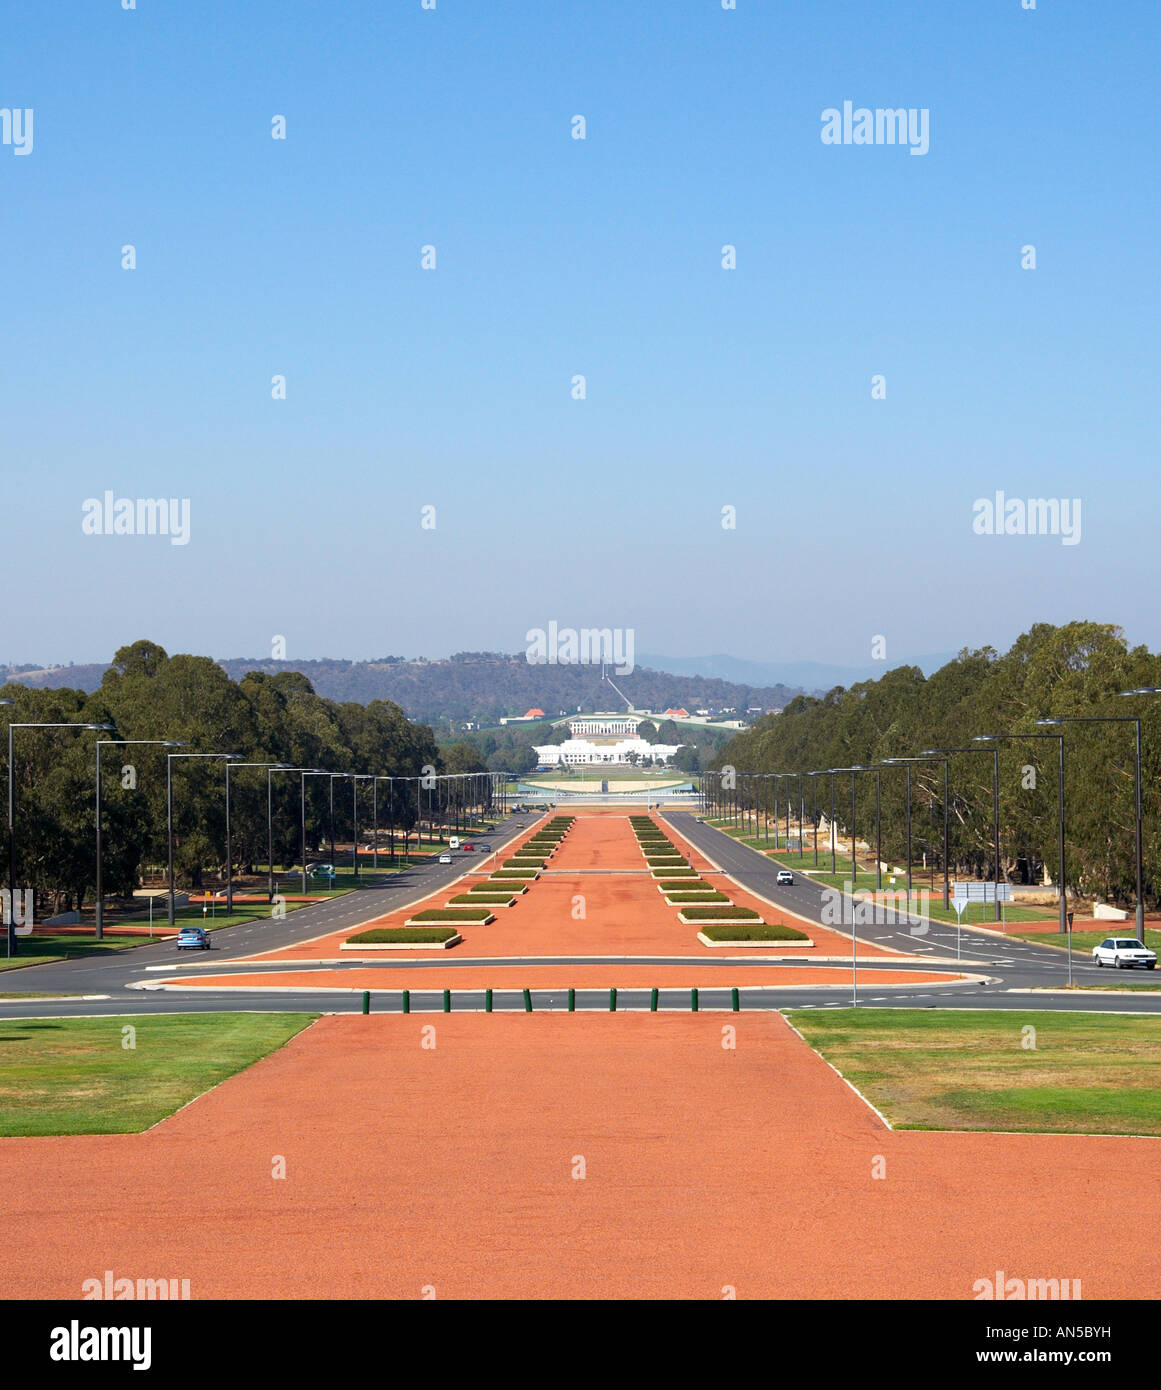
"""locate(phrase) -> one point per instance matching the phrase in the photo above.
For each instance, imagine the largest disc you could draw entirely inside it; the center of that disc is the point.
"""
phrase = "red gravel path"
(705, 1169)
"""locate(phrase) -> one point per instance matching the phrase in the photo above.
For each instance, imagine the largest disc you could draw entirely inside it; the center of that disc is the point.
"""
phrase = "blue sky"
(451, 388)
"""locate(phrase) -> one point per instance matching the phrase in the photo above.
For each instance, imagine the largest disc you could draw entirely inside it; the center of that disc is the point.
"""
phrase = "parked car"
(445, 858)
(192, 939)
(1124, 952)
(784, 876)
(321, 870)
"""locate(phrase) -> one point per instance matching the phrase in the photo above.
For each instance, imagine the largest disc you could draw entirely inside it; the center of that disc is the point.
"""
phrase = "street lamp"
(946, 868)
(169, 757)
(99, 906)
(270, 767)
(92, 728)
(307, 772)
(865, 767)
(995, 752)
(1063, 887)
(1121, 719)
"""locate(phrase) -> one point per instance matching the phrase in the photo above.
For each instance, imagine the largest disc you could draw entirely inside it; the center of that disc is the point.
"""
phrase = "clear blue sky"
(451, 387)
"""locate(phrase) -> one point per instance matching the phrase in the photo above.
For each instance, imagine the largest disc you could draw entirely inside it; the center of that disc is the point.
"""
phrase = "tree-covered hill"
(481, 687)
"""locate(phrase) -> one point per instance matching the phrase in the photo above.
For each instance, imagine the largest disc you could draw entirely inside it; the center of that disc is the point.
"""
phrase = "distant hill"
(484, 686)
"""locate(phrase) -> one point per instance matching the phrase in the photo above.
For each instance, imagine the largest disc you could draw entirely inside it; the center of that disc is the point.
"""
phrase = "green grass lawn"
(44, 949)
(940, 1069)
(1084, 941)
(74, 1076)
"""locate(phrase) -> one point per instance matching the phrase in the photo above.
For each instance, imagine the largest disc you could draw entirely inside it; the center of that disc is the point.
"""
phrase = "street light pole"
(169, 757)
(99, 904)
(946, 870)
(995, 752)
(1136, 722)
(92, 728)
(1062, 890)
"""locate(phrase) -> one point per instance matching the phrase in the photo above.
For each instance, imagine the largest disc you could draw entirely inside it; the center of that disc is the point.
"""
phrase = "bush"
(714, 914)
(453, 914)
(710, 895)
(502, 874)
(761, 931)
(686, 885)
(687, 872)
(466, 899)
(417, 936)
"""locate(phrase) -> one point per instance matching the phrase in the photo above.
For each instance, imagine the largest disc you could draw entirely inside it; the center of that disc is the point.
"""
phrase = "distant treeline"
(478, 687)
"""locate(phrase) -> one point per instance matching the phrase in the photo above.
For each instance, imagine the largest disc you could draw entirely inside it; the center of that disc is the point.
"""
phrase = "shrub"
(466, 899)
(710, 895)
(714, 914)
(403, 935)
(760, 931)
(453, 914)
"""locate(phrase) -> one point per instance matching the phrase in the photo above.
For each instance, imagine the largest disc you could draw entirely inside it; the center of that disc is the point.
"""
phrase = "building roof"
(534, 714)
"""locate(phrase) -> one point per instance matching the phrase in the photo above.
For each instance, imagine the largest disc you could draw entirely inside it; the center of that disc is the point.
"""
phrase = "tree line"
(1075, 670)
(147, 694)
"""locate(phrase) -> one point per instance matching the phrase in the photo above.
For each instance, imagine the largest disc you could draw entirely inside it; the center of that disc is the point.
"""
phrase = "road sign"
(959, 904)
(986, 892)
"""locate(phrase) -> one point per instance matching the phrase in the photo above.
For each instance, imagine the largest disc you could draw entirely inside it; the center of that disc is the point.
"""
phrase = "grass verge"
(75, 1076)
(935, 1069)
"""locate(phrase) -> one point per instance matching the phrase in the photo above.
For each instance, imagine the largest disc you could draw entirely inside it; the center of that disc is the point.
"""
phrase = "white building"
(582, 752)
(588, 724)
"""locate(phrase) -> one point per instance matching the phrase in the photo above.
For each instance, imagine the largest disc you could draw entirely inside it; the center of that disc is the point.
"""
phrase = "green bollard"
(693, 1000)
(572, 1001)
(406, 1001)
(366, 1001)
(653, 1000)
(447, 1001)
(734, 999)
(487, 1001)
(613, 1001)
(527, 1001)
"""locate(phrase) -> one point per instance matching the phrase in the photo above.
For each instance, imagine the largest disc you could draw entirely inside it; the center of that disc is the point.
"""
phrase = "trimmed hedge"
(495, 899)
(453, 914)
(522, 875)
(711, 896)
(761, 931)
(686, 885)
(418, 936)
(675, 873)
(713, 914)
(512, 885)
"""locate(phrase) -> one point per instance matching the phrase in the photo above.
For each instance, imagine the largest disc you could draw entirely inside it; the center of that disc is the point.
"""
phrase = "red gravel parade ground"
(556, 1155)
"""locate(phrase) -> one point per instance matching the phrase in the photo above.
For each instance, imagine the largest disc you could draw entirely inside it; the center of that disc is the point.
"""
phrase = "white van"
(454, 842)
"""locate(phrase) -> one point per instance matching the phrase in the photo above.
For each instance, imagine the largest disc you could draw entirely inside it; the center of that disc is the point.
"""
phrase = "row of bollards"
(654, 999)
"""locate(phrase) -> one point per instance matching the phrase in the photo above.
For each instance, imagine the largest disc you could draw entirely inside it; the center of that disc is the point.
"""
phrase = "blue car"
(191, 938)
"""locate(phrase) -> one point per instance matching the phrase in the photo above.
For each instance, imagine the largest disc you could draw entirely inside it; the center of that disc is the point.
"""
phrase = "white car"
(1124, 952)
(784, 876)
(445, 858)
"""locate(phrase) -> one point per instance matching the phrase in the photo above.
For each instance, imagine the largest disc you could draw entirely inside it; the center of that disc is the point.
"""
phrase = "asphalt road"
(1008, 967)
